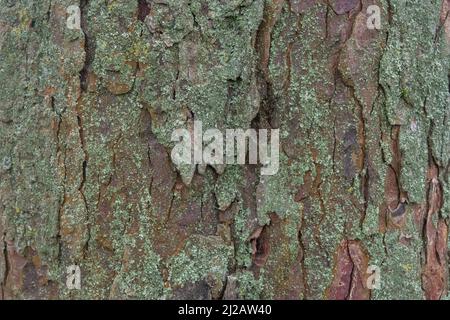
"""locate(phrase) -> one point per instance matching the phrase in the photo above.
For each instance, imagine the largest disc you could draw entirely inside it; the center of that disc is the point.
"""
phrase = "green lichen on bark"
(86, 178)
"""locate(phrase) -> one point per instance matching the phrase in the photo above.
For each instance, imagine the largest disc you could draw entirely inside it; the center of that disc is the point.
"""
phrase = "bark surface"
(86, 176)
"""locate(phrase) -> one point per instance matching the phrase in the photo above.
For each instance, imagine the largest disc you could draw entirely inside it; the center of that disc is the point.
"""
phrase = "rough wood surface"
(86, 176)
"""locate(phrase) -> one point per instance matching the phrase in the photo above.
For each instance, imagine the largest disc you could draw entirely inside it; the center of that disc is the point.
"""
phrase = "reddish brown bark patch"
(343, 6)
(350, 276)
(27, 276)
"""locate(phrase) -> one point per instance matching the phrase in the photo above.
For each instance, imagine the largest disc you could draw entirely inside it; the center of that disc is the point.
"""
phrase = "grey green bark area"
(86, 176)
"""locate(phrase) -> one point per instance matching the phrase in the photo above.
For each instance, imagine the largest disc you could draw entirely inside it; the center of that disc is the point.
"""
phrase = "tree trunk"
(358, 210)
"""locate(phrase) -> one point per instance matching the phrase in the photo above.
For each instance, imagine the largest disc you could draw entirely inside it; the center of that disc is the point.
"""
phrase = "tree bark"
(87, 180)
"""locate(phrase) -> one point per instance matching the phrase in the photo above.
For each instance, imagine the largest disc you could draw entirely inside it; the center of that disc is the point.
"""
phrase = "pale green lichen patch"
(242, 233)
(201, 257)
(141, 279)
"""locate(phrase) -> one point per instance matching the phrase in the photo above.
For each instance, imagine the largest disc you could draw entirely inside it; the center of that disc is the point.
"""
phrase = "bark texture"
(86, 176)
